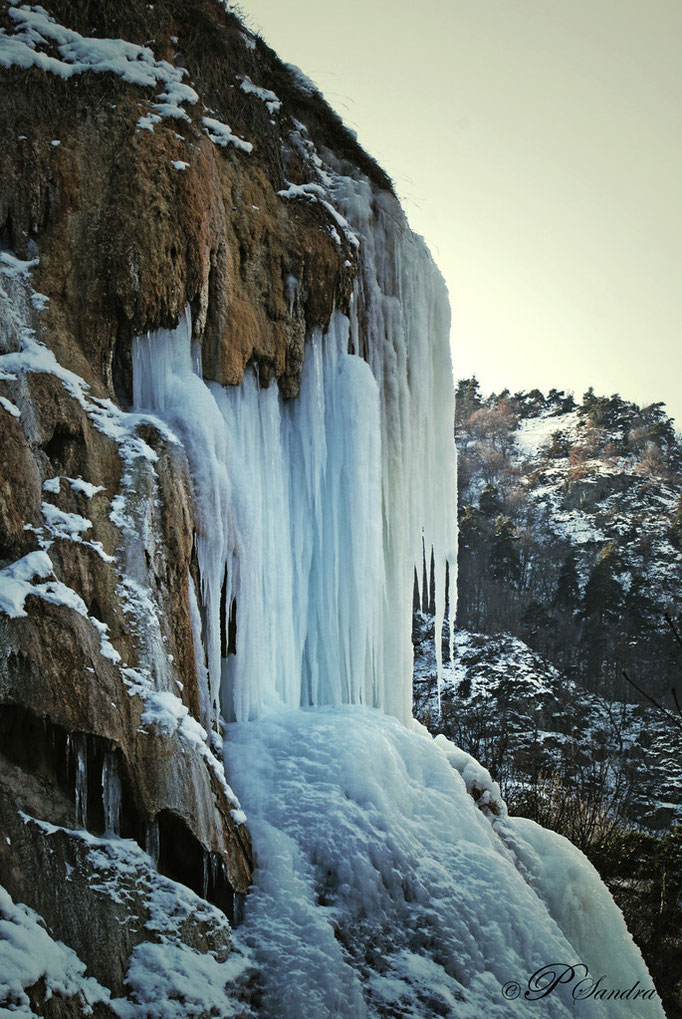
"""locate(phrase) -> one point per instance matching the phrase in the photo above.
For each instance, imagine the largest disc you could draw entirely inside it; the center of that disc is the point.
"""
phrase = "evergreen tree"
(504, 562)
(467, 399)
(490, 503)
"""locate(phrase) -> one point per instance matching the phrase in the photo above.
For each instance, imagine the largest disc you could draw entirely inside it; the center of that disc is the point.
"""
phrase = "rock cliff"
(155, 158)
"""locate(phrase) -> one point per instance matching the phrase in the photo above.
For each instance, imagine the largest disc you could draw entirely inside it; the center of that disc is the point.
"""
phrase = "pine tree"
(490, 503)
(504, 562)
(467, 399)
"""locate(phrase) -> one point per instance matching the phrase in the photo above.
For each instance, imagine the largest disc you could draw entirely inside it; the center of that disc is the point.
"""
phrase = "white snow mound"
(381, 889)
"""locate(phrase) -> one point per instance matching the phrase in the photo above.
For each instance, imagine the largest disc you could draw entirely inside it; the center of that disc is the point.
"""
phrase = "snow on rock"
(165, 711)
(28, 953)
(34, 356)
(183, 962)
(16, 582)
(381, 889)
(477, 779)
(315, 192)
(13, 266)
(138, 458)
(68, 526)
(85, 487)
(36, 31)
(301, 80)
(10, 407)
(272, 103)
(220, 134)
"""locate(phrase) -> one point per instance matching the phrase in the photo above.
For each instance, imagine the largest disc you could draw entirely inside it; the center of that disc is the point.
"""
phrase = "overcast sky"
(537, 146)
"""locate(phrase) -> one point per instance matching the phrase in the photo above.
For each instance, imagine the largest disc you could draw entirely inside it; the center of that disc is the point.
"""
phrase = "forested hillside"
(571, 532)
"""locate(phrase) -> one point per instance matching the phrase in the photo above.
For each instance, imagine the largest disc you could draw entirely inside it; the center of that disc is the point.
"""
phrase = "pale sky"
(537, 146)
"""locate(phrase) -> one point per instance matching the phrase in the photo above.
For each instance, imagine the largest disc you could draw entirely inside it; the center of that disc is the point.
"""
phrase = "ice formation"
(311, 513)
(382, 890)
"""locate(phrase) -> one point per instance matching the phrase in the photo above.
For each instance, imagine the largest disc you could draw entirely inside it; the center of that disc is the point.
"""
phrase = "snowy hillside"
(590, 492)
(519, 715)
(571, 533)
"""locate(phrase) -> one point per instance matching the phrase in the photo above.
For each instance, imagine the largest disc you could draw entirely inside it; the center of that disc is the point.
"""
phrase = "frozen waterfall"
(311, 512)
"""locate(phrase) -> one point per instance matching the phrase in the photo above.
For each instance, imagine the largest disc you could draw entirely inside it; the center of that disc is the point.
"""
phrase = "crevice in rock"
(62, 448)
(228, 623)
(122, 371)
(41, 746)
(182, 858)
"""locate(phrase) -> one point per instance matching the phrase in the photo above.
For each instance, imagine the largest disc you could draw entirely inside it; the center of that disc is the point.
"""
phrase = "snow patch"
(221, 134)
(10, 407)
(272, 103)
(28, 953)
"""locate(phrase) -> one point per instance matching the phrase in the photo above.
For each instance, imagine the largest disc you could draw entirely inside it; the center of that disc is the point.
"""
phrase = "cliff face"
(138, 179)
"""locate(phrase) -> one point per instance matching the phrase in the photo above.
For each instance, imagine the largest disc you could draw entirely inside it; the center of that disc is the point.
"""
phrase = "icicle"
(204, 878)
(81, 781)
(203, 687)
(151, 840)
(239, 907)
(290, 292)
(111, 794)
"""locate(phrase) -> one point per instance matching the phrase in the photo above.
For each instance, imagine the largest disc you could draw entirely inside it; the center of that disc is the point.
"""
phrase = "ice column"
(401, 318)
(111, 794)
(164, 381)
(81, 781)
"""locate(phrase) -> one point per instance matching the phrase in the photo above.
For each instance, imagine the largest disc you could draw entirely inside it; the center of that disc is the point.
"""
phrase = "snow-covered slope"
(509, 705)
(381, 889)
